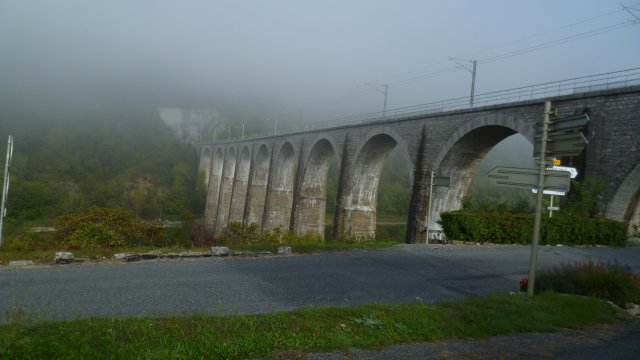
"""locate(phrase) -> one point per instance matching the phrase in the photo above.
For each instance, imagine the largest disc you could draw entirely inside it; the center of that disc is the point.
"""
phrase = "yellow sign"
(556, 162)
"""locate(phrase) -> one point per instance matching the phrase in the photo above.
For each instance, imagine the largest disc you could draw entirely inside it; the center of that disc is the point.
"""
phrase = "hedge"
(518, 228)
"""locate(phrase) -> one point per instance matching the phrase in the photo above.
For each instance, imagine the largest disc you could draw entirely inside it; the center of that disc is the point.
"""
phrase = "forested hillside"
(111, 156)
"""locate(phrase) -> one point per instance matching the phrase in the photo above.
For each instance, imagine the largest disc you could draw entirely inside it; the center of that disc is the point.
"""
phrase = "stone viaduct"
(280, 181)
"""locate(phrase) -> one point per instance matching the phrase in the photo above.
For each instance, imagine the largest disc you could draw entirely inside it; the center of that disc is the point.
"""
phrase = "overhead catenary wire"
(557, 42)
(517, 52)
(511, 42)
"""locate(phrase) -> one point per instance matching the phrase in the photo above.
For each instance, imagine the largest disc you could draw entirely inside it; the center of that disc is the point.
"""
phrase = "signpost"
(573, 172)
(5, 184)
(443, 181)
(564, 144)
(564, 137)
(528, 178)
(554, 138)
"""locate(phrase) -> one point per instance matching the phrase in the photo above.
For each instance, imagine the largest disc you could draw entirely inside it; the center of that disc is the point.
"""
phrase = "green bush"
(106, 228)
(609, 281)
(25, 241)
(518, 228)
(239, 234)
(95, 236)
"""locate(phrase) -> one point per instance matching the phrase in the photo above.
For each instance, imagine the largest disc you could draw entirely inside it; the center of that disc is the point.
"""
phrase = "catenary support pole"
(473, 83)
(386, 91)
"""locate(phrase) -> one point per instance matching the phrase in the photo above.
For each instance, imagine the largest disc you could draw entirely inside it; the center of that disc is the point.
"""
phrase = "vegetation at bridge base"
(292, 334)
(238, 234)
(604, 280)
(97, 231)
(249, 237)
(505, 228)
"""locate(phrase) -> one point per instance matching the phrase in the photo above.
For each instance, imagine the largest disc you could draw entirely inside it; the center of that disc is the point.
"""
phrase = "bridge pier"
(226, 188)
(310, 203)
(280, 190)
(239, 193)
(257, 188)
(213, 190)
(359, 189)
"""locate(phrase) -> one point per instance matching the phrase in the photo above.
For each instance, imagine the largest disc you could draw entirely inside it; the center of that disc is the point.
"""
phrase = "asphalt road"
(218, 286)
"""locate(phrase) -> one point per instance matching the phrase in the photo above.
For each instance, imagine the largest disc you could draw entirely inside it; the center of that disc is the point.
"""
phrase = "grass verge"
(292, 334)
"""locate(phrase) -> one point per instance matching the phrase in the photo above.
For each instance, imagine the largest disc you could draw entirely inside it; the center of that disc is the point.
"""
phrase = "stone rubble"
(126, 257)
(149, 255)
(21, 263)
(219, 251)
(191, 254)
(63, 257)
(284, 250)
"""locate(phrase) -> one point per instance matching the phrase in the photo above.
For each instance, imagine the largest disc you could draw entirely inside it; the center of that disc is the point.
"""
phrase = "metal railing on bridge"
(611, 80)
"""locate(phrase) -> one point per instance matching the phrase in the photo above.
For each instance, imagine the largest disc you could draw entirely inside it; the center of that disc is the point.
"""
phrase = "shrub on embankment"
(106, 228)
(604, 280)
(517, 229)
(93, 229)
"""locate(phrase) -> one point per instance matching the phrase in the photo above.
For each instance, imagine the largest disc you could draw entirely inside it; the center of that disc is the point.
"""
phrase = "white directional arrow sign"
(564, 137)
(528, 178)
(573, 172)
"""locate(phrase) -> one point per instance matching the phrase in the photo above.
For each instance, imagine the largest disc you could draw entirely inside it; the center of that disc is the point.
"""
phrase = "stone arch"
(625, 203)
(358, 207)
(463, 152)
(205, 164)
(226, 188)
(257, 190)
(241, 180)
(310, 212)
(280, 192)
(213, 190)
(400, 142)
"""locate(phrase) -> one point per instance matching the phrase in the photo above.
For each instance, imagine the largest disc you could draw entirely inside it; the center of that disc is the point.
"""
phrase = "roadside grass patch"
(604, 280)
(292, 334)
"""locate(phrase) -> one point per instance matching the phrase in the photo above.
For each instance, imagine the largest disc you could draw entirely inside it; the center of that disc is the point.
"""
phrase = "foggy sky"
(283, 56)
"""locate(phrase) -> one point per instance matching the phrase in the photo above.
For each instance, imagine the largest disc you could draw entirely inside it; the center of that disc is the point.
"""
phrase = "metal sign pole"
(429, 204)
(538, 217)
(5, 185)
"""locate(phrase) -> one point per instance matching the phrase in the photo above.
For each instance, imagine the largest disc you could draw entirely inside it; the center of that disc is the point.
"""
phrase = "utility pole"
(5, 185)
(242, 136)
